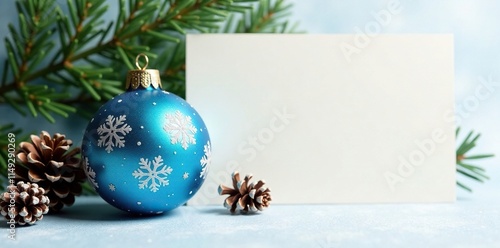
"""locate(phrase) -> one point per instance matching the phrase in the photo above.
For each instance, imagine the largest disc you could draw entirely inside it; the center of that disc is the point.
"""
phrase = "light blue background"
(472, 221)
(477, 53)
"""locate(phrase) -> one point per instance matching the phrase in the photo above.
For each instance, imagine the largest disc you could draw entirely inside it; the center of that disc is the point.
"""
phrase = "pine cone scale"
(47, 139)
(68, 178)
(259, 184)
(35, 140)
(34, 177)
(236, 179)
(226, 190)
(32, 158)
(24, 213)
(52, 178)
(46, 152)
(60, 151)
(252, 207)
(242, 203)
(61, 192)
(242, 187)
(231, 201)
(28, 147)
(56, 165)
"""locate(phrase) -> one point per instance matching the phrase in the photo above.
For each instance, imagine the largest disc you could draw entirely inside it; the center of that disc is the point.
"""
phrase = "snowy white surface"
(473, 221)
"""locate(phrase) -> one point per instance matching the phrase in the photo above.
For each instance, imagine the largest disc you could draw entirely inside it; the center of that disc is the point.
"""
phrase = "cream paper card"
(327, 118)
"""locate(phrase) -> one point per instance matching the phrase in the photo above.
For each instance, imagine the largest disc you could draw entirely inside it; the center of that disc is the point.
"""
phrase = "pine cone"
(253, 197)
(51, 164)
(30, 203)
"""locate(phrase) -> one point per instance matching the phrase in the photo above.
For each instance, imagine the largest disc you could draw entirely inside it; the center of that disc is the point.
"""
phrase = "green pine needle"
(472, 172)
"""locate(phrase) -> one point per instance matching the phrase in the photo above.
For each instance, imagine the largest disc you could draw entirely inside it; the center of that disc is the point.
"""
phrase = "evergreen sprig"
(66, 59)
(464, 167)
(59, 63)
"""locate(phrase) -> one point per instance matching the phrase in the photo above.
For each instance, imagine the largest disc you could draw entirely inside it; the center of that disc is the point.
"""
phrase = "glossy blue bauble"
(146, 151)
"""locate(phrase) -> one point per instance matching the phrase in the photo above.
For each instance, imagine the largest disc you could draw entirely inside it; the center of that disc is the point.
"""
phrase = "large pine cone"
(51, 164)
(28, 204)
(253, 197)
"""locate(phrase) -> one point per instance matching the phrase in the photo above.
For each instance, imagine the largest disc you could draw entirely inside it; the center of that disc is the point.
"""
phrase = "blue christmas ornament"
(146, 151)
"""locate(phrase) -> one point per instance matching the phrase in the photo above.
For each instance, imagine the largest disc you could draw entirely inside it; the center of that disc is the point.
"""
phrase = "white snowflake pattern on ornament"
(112, 133)
(206, 160)
(180, 129)
(152, 177)
(89, 172)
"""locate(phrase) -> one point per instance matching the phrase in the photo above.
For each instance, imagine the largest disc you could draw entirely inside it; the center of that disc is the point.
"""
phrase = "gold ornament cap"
(143, 77)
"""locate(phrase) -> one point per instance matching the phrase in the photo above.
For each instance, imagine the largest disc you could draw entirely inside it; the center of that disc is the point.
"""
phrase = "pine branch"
(76, 31)
(268, 17)
(465, 169)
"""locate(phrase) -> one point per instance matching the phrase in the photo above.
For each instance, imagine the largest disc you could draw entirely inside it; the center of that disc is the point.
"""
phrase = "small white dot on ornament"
(190, 192)
(154, 103)
(120, 100)
(139, 143)
(142, 127)
(175, 152)
(159, 146)
(92, 120)
(139, 203)
(136, 94)
(194, 152)
(103, 167)
(113, 200)
(201, 129)
(194, 113)
(105, 110)
(159, 212)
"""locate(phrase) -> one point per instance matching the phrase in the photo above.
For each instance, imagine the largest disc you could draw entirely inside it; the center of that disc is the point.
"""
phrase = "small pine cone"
(253, 197)
(51, 164)
(30, 205)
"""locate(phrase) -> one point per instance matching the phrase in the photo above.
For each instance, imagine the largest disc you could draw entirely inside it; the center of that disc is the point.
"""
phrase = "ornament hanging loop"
(137, 61)
(143, 77)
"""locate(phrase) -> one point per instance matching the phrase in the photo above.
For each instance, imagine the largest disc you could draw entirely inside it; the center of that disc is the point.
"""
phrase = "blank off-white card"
(327, 118)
